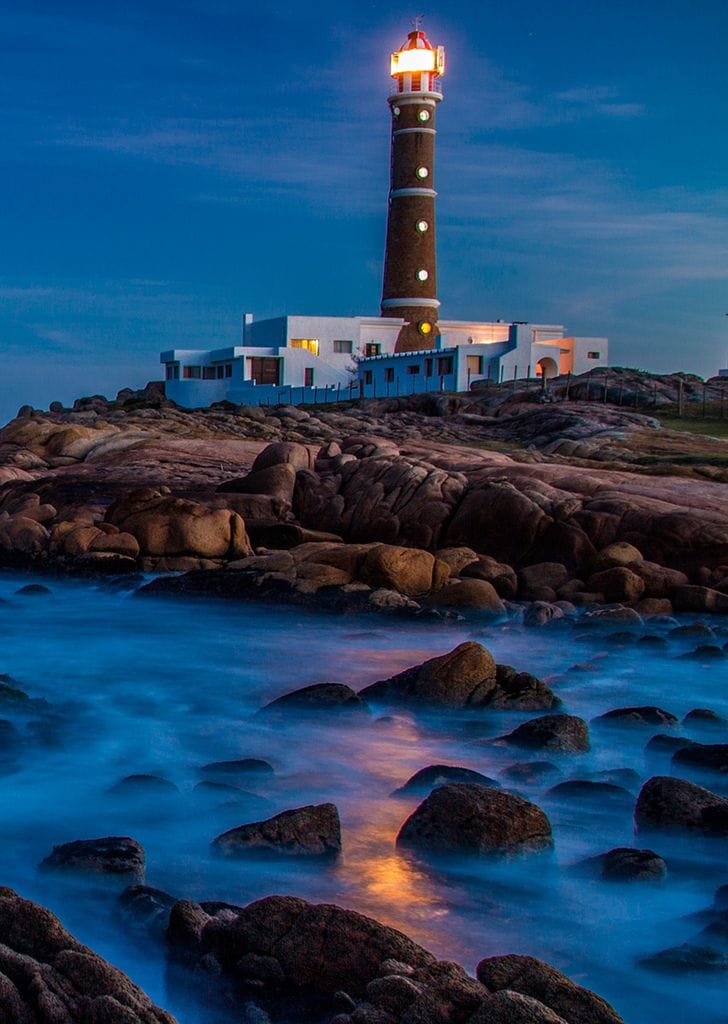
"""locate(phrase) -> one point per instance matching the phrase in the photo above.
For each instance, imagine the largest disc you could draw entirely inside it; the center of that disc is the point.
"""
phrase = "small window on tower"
(422, 172)
(422, 275)
(594, 355)
(425, 327)
(424, 115)
(422, 226)
(396, 111)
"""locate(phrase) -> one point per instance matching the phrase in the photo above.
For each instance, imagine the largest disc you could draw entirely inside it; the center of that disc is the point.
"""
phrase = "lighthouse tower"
(410, 279)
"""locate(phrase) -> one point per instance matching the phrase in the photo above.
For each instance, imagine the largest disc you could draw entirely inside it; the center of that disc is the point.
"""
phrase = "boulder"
(607, 793)
(521, 691)
(467, 593)
(244, 766)
(707, 757)
(666, 803)
(619, 585)
(23, 536)
(534, 978)
(647, 715)
(501, 576)
(170, 527)
(620, 553)
(407, 570)
(529, 773)
(514, 1008)
(688, 958)
(564, 734)
(465, 677)
(700, 599)
(625, 864)
(317, 698)
(464, 819)
(113, 855)
(277, 481)
(46, 975)
(456, 558)
(426, 779)
(311, 831)
(659, 581)
(284, 453)
(145, 909)
(533, 579)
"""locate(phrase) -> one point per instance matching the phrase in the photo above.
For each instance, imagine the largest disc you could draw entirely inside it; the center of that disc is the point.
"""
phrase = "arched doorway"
(547, 368)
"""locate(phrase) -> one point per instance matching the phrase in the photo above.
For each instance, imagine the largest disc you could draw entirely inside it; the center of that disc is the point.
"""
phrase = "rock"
(318, 697)
(464, 677)
(243, 766)
(426, 779)
(277, 481)
(311, 831)
(540, 613)
(612, 616)
(618, 585)
(393, 993)
(693, 631)
(588, 789)
(660, 582)
(144, 785)
(709, 757)
(406, 570)
(113, 855)
(171, 527)
(501, 576)
(637, 716)
(545, 575)
(282, 453)
(46, 975)
(666, 803)
(704, 717)
(33, 590)
(704, 653)
(663, 743)
(625, 864)
(521, 691)
(388, 599)
(466, 819)
(529, 773)
(653, 607)
(456, 558)
(530, 977)
(23, 536)
(467, 593)
(687, 959)
(562, 733)
(700, 599)
(628, 778)
(146, 909)
(614, 555)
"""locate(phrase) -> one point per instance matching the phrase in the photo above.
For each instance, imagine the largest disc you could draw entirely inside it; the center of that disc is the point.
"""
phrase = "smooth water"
(163, 687)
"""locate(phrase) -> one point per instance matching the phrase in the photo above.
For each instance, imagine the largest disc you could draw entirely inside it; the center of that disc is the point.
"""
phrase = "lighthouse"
(409, 288)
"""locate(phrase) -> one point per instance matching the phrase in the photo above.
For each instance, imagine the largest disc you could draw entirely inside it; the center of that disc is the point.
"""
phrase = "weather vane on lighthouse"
(409, 287)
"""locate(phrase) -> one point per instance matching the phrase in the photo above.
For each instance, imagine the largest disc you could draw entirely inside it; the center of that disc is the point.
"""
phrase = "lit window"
(208, 373)
(422, 172)
(310, 344)
(425, 327)
(422, 226)
(343, 346)
(594, 355)
(396, 111)
(422, 275)
(192, 372)
(424, 115)
(372, 348)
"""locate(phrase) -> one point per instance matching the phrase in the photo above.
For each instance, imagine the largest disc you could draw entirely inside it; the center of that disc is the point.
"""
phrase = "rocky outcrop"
(115, 856)
(464, 819)
(312, 831)
(48, 977)
(666, 803)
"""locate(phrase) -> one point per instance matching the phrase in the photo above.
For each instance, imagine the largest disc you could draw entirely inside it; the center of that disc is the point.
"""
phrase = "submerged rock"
(311, 831)
(241, 766)
(637, 716)
(112, 855)
(709, 757)
(626, 864)
(687, 959)
(675, 804)
(529, 773)
(591, 790)
(46, 975)
(534, 978)
(318, 697)
(564, 734)
(146, 909)
(461, 818)
(426, 779)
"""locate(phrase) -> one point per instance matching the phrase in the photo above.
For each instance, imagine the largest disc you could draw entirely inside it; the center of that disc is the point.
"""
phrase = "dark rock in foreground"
(426, 779)
(678, 805)
(311, 831)
(564, 734)
(112, 855)
(47, 977)
(465, 677)
(531, 977)
(146, 909)
(464, 819)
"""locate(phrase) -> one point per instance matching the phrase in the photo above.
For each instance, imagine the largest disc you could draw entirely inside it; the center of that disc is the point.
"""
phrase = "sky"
(166, 167)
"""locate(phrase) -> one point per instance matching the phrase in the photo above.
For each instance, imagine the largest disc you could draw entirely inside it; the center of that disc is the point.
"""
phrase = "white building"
(298, 359)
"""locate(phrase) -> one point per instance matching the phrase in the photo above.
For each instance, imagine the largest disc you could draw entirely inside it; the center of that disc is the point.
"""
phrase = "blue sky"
(165, 167)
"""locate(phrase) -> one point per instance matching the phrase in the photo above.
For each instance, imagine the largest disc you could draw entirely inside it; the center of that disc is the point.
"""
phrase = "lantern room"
(418, 64)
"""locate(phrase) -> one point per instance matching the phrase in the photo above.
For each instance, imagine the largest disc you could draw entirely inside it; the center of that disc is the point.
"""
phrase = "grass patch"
(695, 425)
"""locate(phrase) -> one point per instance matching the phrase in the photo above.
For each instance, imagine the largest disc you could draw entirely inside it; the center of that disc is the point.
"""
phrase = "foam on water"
(163, 687)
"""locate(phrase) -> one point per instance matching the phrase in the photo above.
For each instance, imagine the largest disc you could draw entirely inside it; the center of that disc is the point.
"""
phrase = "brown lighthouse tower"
(410, 276)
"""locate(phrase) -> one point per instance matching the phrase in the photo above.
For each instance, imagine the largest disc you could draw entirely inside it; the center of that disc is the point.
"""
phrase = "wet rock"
(316, 698)
(409, 571)
(278, 481)
(311, 831)
(618, 585)
(626, 777)
(531, 977)
(626, 864)
(521, 691)
(706, 652)
(46, 975)
(604, 617)
(426, 779)
(146, 909)
(529, 773)
(693, 631)
(393, 993)
(283, 453)
(514, 1008)
(565, 734)
(501, 576)
(541, 613)
(704, 717)
(244, 766)
(663, 743)
(112, 855)
(464, 677)
(666, 803)
(464, 819)
(687, 959)
(709, 757)
(457, 558)
(613, 555)
(636, 716)
(533, 579)
(587, 789)
(144, 785)
(467, 593)
(33, 590)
